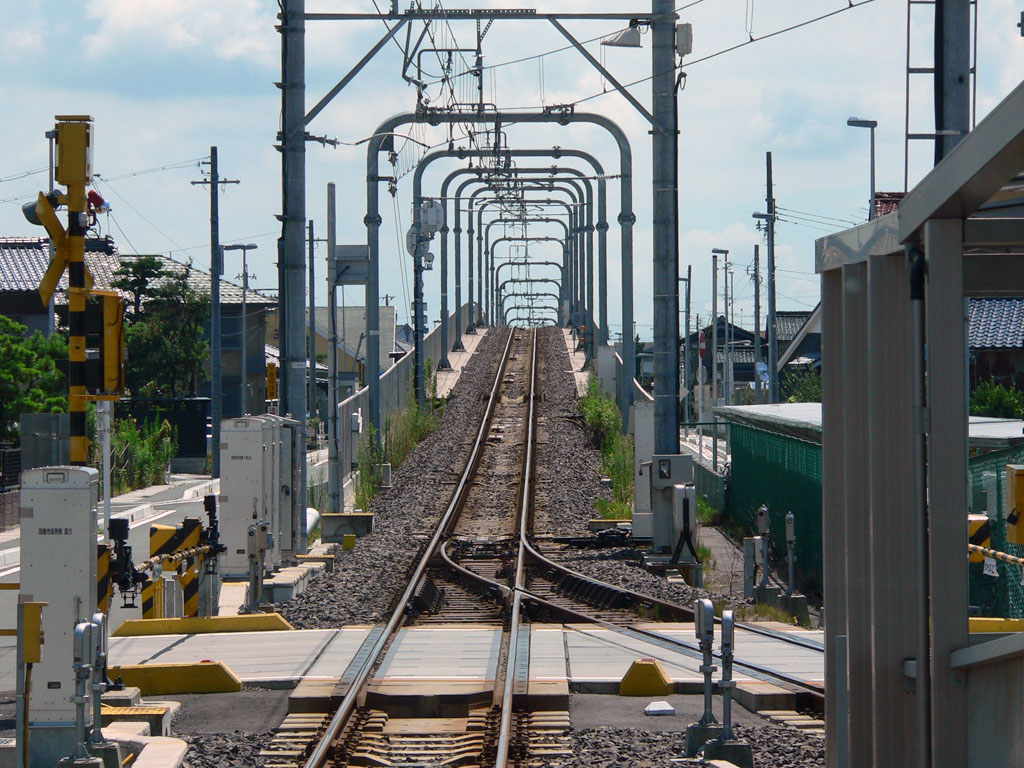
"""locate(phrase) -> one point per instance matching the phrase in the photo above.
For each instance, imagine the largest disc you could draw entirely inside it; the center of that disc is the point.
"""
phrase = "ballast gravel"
(367, 580)
(228, 750)
(772, 748)
(568, 466)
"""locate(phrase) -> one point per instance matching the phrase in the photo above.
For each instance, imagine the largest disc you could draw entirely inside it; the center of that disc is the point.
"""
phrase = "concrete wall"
(995, 714)
(394, 388)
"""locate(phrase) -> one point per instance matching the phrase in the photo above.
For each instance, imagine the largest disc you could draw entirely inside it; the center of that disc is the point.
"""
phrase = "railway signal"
(100, 312)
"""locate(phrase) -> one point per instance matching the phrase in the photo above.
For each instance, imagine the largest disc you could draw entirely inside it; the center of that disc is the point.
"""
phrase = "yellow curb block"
(645, 677)
(201, 677)
(201, 625)
(985, 624)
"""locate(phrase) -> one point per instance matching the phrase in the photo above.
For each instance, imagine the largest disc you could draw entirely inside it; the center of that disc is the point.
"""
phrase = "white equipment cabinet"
(243, 467)
(58, 567)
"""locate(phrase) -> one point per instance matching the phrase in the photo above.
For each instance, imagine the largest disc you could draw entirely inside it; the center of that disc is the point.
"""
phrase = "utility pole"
(757, 317)
(311, 341)
(216, 270)
(714, 324)
(333, 459)
(244, 388)
(725, 343)
(773, 344)
(291, 252)
(952, 74)
(665, 146)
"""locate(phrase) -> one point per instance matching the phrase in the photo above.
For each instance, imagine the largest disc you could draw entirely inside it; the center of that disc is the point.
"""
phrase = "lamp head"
(859, 122)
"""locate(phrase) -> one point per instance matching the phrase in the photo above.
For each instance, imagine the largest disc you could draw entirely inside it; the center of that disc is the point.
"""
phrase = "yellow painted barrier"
(985, 624)
(161, 679)
(202, 625)
(645, 677)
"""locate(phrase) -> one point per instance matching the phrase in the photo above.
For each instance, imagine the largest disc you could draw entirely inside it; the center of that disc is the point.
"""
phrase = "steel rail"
(525, 518)
(318, 756)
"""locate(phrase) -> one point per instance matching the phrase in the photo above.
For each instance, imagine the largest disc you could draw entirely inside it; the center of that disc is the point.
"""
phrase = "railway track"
(480, 568)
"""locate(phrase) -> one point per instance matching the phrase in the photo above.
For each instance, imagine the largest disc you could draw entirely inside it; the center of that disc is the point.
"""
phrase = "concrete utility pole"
(665, 146)
(216, 270)
(952, 74)
(757, 318)
(311, 341)
(244, 384)
(291, 256)
(333, 467)
(773, 343)
(725, 342)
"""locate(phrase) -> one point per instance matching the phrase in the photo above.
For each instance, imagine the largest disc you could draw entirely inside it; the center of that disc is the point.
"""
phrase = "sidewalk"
(703, 450)
(447, 377)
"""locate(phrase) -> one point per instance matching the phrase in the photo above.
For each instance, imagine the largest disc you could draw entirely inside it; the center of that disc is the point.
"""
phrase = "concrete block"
(157, 716)
(129, 697)
(795, 606)
(327, 561)
(734, 752)
(547, 695)
(333, 527)
(645, 677)
(7, 747)
(760, 697)
(769, 594)
(659, 709)
(699, 734)
(201, 677)
(312, 696)
(601, 524)
(200, 625)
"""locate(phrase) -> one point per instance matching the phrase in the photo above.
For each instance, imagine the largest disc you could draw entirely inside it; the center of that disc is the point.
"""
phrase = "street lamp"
(244, 388)
(859, 122)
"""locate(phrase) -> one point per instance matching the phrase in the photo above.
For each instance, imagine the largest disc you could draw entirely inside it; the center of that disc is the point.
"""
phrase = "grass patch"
(140, 456)
(764, 612)
(604, 427)
(403, 430)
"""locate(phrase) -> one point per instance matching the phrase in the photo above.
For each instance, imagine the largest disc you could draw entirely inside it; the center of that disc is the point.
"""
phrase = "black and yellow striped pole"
(74, 171)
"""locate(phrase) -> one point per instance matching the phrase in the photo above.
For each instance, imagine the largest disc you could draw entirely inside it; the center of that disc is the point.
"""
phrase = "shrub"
(141, 457)
(995, 400)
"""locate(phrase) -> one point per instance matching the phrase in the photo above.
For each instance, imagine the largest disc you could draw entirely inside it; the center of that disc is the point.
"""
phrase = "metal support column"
(947, 482)
(857, 537)
(291, 246)
(665, 142)
(833, 496)
(893, 523)
(334, 501)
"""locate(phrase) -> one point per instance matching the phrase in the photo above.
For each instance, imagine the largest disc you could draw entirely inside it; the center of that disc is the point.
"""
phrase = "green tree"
(140, 278)
(168, 345)
(992, 399)
(802, 386)
(29, 379)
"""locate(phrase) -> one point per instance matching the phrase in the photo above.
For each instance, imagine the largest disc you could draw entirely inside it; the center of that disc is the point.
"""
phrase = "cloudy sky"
(165, 80)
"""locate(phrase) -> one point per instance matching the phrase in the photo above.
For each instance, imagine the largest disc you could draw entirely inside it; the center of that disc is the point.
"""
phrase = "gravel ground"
(228, 750)
(772, 748)
(568, 467)
(367, 580)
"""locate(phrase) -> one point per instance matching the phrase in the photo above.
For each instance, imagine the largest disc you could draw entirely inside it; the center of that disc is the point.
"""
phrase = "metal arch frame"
(583, 265)
(372, 219)
(525, 221)
(504, 311)
(576, 244)
(497, 270)
(518, 307)
(493, 278)
(555, 152)
(505, 282)
(571, 209)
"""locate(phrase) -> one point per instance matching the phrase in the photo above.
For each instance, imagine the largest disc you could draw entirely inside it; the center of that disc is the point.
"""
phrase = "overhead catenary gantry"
(554, 172)
(663, 120)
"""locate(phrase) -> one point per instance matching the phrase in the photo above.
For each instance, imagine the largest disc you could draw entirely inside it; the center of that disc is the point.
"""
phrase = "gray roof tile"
(996, 323)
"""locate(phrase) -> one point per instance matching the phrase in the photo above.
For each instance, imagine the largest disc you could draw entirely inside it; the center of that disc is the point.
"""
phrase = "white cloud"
(227, 29)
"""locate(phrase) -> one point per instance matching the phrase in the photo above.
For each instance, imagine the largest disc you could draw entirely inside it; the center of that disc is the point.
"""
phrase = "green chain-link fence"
(785, 473)
(1002, 594)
